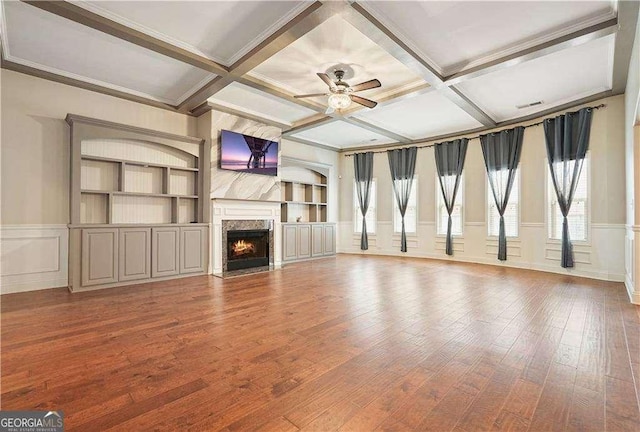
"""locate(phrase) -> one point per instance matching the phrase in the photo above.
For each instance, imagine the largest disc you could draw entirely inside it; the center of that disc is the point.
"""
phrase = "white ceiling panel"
(427, 115)
(555, 79)
(256, 102)
(342, 135)
(223, 31)
(45, 41)
(456, 35)
(332, 43)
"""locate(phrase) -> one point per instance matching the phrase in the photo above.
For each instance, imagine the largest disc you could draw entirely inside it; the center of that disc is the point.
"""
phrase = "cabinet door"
(193, 252)
(329, 239)
(99, 256)
(289, 242)
(304, 241)
(317, 241)
(135, 253)
(165, 252)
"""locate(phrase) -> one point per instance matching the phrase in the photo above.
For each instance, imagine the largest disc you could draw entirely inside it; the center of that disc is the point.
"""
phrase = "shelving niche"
(124, 191)
(305, 199)
(137, 198)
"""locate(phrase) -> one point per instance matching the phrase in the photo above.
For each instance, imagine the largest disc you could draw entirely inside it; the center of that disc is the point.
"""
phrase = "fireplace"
(247, 249)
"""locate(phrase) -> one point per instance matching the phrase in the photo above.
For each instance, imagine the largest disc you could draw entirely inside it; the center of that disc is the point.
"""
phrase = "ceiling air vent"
(529, 105)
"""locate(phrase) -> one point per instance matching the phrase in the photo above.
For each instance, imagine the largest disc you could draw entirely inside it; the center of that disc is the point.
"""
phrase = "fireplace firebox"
(247, 249)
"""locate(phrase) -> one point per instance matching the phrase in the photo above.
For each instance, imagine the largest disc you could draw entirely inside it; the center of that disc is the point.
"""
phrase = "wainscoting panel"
(630, 263)
(531, 250)
(33, 257)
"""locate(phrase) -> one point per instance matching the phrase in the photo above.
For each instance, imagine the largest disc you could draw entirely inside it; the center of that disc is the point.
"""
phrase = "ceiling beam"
(580, 37)
(314, 15)
(376, 31)
(309, 123)
(627, 22)
(90, 19)
(373, 128)
(39, 73)
(310, 143)
(209, 106)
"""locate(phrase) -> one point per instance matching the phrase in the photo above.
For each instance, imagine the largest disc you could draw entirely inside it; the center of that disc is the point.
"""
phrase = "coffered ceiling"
(446, 67)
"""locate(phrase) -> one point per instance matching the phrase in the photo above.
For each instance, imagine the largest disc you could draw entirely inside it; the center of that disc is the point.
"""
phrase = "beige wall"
(35, 142)
(602, 257)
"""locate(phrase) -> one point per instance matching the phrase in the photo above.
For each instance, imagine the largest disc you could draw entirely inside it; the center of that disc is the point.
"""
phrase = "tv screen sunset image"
(248, 154)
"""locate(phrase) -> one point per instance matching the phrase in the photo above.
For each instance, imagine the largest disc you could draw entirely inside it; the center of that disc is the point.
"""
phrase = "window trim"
(394, 204)
(375, 213)
(489, 196)
(547, 190)
(462, 210)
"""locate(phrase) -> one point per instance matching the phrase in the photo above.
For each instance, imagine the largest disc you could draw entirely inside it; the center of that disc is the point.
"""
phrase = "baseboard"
(599, 275)
(634, 297)
(19, 287)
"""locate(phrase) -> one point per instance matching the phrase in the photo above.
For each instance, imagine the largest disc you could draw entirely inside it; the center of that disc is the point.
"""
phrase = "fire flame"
(242, 247)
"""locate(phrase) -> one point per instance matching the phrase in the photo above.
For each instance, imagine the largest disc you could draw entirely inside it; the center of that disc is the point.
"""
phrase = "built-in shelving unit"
(138, 204)
(304, 200)
(306, 232)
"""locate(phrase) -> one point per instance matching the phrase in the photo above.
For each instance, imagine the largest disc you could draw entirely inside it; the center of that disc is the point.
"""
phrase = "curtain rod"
(472, 138)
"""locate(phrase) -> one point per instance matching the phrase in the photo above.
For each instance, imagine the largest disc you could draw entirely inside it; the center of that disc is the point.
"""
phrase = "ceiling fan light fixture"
(339, 101)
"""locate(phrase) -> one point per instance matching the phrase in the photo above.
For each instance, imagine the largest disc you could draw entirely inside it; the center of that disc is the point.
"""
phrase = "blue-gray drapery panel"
(363, 168)
(501, 151)
(402, 163)
(567, 138)
(449, 162)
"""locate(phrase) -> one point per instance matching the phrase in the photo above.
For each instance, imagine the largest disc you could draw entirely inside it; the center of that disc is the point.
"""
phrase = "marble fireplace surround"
(243, 215)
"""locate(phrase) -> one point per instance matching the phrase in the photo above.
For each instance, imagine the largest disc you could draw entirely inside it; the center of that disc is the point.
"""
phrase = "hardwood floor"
(351, 344)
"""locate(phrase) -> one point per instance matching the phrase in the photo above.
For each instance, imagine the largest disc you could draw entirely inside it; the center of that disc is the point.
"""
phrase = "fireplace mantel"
(229, 209)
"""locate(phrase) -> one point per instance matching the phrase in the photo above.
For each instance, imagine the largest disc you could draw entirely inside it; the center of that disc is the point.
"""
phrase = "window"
(456, 215)
(371, 211)
(410, 216)
(577, 214)
(511, 214)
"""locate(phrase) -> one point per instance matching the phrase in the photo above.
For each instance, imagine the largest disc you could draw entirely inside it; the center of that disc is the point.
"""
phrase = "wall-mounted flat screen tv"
(249, 154)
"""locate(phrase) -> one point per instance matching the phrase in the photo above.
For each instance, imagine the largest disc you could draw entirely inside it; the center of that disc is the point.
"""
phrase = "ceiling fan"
(341, 94)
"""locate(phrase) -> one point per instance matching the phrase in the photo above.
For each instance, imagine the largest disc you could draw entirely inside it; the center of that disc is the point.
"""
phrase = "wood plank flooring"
(350, 344)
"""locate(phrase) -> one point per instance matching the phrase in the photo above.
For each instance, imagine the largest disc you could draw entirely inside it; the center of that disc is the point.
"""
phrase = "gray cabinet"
(318, 241)
(329, 244)
(99, 256)
(134, 254)
(289, 242)
(193, 253)
(303, 240)
(165, 252)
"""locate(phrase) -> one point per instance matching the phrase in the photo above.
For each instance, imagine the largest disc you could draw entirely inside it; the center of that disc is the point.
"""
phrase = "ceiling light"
(339, 101)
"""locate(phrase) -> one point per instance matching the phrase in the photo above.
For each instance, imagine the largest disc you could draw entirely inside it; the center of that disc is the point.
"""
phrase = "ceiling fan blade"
(311, 95)
(329, 110)
(324, 77)
(362, 101)
(374, 83)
